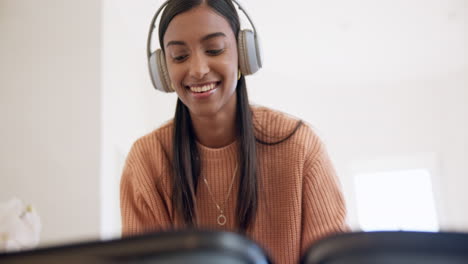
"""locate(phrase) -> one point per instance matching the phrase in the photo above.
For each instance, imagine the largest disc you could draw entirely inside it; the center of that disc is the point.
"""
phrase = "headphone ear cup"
(249, 53)
(158, 72)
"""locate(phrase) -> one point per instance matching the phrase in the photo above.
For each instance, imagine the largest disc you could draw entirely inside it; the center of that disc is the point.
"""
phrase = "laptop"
(175, 247)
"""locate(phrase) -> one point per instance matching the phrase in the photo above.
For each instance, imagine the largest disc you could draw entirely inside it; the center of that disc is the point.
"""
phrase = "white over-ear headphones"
(250, 60)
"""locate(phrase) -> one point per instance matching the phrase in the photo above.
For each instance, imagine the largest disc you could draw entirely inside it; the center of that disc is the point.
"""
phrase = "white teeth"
(202, 89)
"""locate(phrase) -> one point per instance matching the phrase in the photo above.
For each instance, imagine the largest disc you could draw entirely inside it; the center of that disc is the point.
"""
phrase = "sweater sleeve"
(323, 204)
(142, 204)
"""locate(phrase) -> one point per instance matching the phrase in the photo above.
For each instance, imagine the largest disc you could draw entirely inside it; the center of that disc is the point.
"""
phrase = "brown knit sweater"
(299, 195)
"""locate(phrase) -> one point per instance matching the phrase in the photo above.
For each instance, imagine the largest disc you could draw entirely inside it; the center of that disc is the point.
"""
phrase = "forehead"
(197, 23)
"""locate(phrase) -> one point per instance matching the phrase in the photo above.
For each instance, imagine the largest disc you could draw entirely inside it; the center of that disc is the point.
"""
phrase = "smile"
(203, 88)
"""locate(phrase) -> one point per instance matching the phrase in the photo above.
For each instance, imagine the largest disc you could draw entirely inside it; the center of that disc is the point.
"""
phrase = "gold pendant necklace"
(221, 217)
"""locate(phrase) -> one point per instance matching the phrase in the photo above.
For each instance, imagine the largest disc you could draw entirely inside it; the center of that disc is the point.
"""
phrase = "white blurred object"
(20, 226)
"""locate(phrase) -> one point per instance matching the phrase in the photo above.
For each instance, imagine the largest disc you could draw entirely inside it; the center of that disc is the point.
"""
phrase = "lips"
(203, 87)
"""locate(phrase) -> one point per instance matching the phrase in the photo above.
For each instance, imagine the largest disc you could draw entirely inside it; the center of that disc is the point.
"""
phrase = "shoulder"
(152, 147)
(272, 126)
(270, 121)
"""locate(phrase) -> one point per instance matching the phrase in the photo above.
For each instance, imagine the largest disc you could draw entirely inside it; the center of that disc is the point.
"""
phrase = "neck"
(217, 130)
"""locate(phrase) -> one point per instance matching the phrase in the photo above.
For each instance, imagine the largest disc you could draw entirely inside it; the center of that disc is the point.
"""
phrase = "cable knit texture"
(300, 200)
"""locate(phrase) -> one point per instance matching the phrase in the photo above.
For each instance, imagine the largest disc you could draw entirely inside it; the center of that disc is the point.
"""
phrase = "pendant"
(222, 220)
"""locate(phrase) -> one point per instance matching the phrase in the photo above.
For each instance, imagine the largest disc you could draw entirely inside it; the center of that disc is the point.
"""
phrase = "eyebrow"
(213, 35)
(205, 38)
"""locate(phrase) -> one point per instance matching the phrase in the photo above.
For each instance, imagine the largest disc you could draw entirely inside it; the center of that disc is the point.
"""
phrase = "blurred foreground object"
(195, 247)
(20, 226)
(390, 248)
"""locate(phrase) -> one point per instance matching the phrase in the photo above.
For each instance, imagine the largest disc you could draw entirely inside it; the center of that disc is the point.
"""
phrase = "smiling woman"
(221, 163)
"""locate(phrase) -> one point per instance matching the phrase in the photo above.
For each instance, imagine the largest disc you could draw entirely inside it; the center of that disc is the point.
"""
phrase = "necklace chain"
(221, 218)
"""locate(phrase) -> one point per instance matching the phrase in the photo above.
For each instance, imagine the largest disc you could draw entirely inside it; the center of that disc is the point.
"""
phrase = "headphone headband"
(152, 27)
(153, 21)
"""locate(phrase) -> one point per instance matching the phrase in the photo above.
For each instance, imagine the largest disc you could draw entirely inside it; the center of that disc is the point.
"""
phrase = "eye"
(180, 58)
(214, 52)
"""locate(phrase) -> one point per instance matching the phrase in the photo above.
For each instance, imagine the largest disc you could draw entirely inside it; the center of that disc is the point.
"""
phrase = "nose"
(198, 66)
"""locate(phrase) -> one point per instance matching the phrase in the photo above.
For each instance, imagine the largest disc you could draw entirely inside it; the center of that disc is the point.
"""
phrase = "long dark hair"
(186, 158)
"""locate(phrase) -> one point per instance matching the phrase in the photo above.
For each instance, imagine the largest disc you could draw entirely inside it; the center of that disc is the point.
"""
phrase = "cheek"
(229, 77)
(175, 73)
(176, 76)
(230, 67)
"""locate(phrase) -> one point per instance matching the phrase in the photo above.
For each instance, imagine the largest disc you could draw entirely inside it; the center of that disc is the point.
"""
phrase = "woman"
(221, 163)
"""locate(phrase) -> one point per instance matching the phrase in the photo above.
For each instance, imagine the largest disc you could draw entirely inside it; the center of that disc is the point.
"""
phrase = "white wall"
(50, 112)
